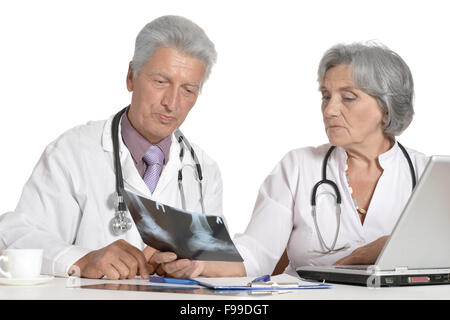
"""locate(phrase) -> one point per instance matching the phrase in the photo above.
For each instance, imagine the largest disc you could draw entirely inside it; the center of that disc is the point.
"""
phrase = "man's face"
(164, 92)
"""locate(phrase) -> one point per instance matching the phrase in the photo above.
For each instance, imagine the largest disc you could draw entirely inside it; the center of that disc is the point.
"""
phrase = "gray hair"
(381, 73)
(177, 33)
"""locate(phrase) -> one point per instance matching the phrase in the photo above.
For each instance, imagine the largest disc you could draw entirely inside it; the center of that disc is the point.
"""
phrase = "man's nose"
(170, 99)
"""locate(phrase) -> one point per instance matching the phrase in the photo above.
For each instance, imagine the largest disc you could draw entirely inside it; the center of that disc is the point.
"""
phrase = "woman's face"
(351, 117)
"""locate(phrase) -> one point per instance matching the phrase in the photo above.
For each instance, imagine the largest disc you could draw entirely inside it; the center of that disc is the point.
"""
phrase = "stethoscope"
(324, 180)
(120, 224)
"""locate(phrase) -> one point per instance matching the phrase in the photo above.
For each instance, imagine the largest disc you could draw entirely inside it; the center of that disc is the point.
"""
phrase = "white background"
(63, 63)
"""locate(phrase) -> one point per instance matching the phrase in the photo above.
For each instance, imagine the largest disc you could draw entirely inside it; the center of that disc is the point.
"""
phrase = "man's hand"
(166, 264)
(155, 258)
(119, 260)
(367, 254)
(186, 268)
(183, 268)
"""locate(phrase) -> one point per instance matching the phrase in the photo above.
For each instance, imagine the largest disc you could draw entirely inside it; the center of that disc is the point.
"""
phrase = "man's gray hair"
(381, 73)
(177, 33)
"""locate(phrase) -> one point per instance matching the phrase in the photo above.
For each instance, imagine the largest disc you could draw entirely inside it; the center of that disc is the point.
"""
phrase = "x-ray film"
(190, 235)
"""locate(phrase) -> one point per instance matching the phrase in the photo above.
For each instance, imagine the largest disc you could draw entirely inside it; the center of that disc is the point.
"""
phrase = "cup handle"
(2, 272)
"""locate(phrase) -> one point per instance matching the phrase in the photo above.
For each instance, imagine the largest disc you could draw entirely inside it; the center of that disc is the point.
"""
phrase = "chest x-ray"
(190, 235)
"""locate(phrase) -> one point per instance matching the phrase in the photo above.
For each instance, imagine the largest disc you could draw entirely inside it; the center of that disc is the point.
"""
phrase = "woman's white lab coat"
(68, 202)
(282, 217)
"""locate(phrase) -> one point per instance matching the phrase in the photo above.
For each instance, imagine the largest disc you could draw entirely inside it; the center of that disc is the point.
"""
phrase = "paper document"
(282, 281)
(279, 282)
(190, 235)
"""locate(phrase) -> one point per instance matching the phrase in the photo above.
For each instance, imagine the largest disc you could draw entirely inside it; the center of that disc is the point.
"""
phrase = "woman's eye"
(349, 96)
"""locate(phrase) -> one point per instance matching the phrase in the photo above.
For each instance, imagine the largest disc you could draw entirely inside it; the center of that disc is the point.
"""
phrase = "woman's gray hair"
(381, 73)
(177, 33)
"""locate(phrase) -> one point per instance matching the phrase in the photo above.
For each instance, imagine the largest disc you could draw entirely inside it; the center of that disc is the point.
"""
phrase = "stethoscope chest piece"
(120, 224)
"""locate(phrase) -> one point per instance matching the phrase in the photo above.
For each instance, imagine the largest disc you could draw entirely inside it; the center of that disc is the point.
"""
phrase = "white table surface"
(68, 289)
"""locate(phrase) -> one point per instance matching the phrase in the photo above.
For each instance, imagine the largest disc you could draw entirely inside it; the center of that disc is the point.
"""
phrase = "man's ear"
(130, 77)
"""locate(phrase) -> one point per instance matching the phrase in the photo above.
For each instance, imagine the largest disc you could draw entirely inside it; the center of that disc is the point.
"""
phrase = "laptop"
(418, 250)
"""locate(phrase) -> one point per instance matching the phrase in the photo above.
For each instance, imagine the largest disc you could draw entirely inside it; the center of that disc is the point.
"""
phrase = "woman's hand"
(367, 254)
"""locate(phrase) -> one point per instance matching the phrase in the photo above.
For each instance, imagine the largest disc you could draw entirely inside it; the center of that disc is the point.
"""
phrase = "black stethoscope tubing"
(120, 223)
(338, 197)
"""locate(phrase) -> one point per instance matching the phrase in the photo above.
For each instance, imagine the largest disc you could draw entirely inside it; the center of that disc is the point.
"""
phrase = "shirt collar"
(384, 158)
(137, 144)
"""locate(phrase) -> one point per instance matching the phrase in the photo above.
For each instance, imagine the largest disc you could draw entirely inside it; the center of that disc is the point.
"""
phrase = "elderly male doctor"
(69, 201)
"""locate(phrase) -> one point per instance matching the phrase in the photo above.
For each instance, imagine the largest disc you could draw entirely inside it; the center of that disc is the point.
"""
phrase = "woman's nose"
(331, 107)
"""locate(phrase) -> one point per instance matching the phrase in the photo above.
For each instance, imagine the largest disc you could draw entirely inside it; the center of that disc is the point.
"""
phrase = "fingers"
(191, 271)
(183, 268)
(149, 252)
(174, 269)
(117, 270)
(119, 260)
(126, 264)
(135, 260)
(163, 257)
(151, 269)
(111, 273)
(177, 266)
(160, 271)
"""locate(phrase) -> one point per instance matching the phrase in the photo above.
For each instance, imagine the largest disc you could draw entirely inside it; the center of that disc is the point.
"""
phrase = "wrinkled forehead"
(173, 64)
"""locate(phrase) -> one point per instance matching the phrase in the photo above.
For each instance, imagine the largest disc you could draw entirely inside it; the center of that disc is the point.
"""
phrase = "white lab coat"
(68, 202)
(282, 216)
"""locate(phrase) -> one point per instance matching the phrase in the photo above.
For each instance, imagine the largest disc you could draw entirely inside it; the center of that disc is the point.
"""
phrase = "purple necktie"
(154, 159)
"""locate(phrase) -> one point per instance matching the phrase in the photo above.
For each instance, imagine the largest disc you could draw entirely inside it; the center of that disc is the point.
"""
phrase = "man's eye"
(190, 91)
(159, 81)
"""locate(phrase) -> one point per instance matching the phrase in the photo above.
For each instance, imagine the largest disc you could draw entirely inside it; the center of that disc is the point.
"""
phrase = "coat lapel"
(131, 177)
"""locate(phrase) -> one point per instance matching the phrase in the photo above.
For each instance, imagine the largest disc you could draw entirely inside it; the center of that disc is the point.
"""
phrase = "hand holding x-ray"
(189, 235)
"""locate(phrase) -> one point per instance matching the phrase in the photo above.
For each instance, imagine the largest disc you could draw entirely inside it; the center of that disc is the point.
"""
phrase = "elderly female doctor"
(367, 100)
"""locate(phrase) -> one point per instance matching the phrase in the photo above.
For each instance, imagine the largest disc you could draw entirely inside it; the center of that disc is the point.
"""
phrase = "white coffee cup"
(21, 263)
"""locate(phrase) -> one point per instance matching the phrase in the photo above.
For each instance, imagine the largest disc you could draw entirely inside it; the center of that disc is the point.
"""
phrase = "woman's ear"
(385, 119)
